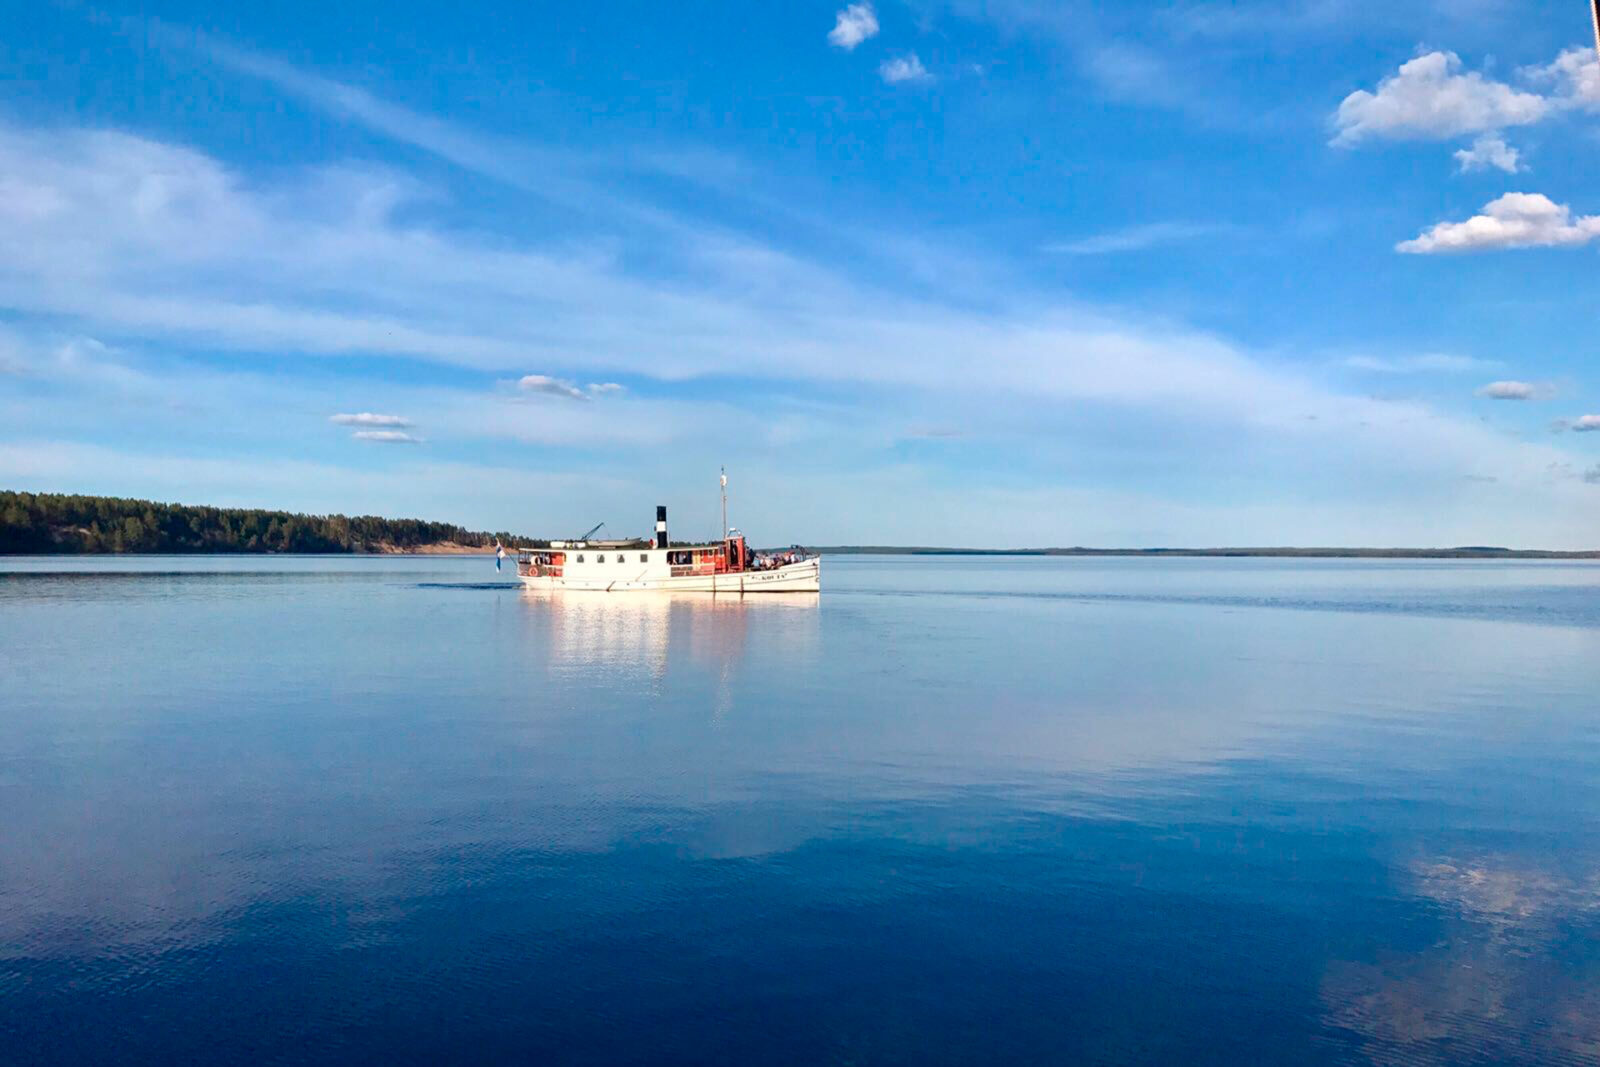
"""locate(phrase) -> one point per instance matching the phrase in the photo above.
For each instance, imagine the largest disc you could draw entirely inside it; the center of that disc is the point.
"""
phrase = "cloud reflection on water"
(1511, 978)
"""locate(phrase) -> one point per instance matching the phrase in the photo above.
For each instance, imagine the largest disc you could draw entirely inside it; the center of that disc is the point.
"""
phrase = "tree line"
(32, 523)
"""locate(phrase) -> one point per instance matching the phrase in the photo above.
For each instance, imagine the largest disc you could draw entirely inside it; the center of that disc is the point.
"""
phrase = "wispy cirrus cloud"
(378, 429)
(1515, 220)
(556, 175)
(386, 437)
(368, 418)
(853, 25)
(1141, 237)
(1426, 363)
(462, 303)
(335, 265)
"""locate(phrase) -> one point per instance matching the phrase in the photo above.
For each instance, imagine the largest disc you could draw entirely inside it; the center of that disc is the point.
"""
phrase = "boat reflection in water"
(651, 635)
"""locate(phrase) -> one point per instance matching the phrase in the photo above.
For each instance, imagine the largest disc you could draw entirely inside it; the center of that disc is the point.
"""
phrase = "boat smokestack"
(661, 526)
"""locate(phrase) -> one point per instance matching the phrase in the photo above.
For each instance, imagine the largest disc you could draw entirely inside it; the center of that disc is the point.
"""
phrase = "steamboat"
(727, 566)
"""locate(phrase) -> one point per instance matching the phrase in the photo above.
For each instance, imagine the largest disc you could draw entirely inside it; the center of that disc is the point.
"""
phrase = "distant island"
(62, 524)
(71, 524)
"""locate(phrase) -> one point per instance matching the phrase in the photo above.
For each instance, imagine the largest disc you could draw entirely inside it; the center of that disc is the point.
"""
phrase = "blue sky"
(1003, 273)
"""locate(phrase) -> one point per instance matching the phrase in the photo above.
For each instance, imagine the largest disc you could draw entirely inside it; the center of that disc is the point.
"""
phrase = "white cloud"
(1138, 238)
(603, 388)
(1430, 99)
(386, 437)
(1509, 391)
(367, 418)
(558, 176)
(1515, 220)
(1427, 363)
(1488, 151)
(160, 243)
(543, 383)
(1586, 424)
(1135, 74)
(903, 69)
(1574, 76)
(855, 24)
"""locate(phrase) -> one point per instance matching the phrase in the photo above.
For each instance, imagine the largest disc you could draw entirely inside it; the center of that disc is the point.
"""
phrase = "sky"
(955, 272)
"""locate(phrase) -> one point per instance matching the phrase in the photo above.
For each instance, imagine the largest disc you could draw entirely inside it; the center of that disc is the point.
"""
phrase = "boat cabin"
(636, 560)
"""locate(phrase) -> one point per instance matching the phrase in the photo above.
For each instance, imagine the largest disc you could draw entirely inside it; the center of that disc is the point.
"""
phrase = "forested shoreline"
(68, 524)
(71, 524)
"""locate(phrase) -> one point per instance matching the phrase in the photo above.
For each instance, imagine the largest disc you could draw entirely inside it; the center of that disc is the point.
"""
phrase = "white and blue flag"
(499, 554)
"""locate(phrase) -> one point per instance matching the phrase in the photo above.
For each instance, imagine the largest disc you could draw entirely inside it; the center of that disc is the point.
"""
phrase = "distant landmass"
(57, 523)
(71, 524)
(1462, 552)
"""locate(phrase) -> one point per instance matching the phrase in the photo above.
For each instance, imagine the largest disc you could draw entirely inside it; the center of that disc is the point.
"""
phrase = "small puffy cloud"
(1592, 475)
(1586, 424)
(855, 24)
(1430, 99)
(543, 383)
(1509, 391)
(386, 437)
(1516, 220)
(1488, 151)
(549, 386)
(903, 69)
(367, 418)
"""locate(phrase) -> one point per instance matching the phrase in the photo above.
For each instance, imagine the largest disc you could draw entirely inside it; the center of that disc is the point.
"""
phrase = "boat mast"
(1594, 13)
(725, 483)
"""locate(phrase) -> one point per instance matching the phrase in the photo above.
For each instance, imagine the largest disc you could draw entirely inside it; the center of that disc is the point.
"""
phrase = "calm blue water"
(952, 811)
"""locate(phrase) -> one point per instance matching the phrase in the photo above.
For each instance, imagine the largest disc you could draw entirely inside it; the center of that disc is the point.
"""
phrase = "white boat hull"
(804, 576)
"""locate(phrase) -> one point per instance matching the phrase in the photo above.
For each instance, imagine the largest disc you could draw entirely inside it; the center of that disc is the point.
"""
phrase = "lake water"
(386, 810)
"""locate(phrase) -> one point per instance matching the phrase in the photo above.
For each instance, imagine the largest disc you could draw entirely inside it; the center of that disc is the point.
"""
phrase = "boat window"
(580, 557)
(644, 557)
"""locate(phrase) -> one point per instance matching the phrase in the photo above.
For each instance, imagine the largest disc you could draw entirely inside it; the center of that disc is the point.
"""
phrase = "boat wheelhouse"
(726, 566)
